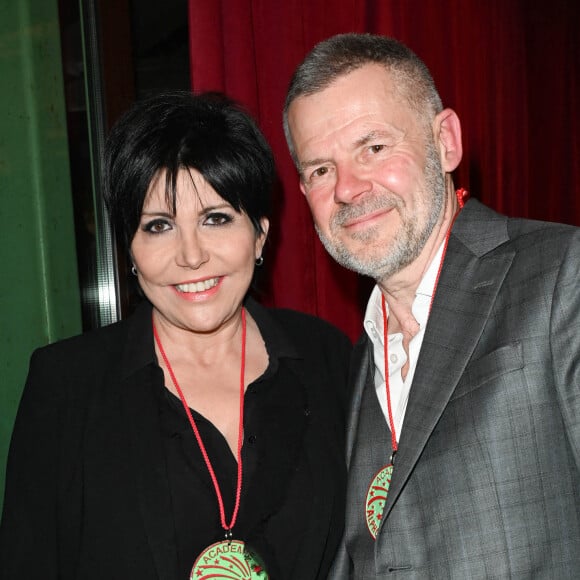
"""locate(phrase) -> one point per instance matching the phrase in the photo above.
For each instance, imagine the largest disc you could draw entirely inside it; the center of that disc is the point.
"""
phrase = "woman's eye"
(217, 219)
(157, 226)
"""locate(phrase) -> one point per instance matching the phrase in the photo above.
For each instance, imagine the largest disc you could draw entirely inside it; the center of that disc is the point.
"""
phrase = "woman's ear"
(261, 237)
(447, 134)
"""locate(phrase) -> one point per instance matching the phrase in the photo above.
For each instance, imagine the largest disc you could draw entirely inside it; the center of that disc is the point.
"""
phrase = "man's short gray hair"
(341, 54)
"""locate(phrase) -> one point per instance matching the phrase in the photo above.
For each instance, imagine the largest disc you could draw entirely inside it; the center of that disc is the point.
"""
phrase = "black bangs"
(172, 131)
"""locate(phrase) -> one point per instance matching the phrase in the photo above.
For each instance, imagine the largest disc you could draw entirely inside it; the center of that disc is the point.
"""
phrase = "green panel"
(39, 293)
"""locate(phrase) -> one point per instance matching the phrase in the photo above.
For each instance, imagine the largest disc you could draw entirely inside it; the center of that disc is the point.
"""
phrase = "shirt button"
(251, 439)
(394, 358)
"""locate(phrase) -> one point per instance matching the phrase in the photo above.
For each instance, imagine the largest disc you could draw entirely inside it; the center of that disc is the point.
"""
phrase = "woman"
(201, 437)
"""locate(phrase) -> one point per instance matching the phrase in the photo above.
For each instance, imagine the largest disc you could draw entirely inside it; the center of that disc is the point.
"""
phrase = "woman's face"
(196, 266)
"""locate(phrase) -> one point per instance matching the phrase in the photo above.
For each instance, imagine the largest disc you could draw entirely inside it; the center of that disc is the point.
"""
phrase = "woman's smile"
(198, 291)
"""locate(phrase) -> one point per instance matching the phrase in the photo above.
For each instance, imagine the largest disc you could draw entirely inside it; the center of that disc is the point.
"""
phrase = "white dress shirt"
(373, 323)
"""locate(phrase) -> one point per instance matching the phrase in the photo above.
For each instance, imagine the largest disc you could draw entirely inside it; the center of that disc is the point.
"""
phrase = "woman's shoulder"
(90, 342)
(306, 328)
(303, 320)
(92, 348)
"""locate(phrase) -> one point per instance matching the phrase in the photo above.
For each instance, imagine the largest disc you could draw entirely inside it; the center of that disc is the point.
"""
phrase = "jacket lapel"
(361, 370)
(467, 290)
(141, 410)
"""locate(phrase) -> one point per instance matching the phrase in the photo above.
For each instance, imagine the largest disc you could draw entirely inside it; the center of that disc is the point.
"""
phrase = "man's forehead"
(350, 127)
(354, 93)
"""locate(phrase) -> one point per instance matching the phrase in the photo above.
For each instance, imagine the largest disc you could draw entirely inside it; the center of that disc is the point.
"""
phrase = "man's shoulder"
(486, 229)
(543, 244)
(523, 227)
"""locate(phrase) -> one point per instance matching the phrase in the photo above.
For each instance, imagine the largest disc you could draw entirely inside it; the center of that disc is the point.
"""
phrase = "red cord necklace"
(222, 555)
(379, 487)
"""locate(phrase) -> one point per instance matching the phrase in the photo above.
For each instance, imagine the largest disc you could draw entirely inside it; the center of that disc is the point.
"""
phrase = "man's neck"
(401, 288)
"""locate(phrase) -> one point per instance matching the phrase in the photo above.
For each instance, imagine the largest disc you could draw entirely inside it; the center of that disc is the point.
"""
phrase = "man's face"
(370, 171)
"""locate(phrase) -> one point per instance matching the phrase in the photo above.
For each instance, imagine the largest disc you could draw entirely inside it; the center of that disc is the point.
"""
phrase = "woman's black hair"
(179, 130)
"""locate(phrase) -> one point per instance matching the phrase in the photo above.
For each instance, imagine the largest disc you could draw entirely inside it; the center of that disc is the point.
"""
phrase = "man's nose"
(350, 183)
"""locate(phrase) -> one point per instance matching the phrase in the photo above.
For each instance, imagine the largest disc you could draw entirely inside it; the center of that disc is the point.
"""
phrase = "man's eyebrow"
(360, 142)
(313, 162)
(365, 139)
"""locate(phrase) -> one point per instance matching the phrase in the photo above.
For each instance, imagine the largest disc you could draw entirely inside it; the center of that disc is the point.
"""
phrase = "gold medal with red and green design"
(229, 559)
(377, 498)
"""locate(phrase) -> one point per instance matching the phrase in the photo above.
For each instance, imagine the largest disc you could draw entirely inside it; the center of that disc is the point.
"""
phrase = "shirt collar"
(140, 350)
(278, 343)
(373, 319)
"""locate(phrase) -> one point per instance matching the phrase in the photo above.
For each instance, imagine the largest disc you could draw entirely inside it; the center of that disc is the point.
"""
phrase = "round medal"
(376, 499)
(228, 559)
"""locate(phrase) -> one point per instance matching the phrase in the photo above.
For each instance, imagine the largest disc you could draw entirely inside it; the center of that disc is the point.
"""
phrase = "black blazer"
(86, 492)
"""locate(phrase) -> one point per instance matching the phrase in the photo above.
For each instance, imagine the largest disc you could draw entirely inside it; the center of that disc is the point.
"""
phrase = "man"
(465, 461)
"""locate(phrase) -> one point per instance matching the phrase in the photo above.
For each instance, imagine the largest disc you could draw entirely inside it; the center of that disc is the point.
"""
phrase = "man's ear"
(447, 133)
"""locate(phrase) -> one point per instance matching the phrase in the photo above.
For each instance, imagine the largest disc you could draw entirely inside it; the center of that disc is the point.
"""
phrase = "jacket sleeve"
(28, 532)
(342, 565)
(565, 340)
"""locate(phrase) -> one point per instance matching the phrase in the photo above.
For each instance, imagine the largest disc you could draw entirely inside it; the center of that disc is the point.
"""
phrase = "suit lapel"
(467, 290)
(141, 411)
(361, 371)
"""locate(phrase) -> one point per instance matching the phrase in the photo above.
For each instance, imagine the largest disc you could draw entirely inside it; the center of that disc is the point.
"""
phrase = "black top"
(124, 492)
(276, 415)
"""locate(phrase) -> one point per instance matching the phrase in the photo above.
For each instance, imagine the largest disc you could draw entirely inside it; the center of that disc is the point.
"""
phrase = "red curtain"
(510, 68)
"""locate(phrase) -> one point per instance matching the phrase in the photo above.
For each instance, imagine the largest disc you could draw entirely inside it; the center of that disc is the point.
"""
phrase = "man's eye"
(319, 172)
(157, 226)
(217, 219)
(376, 148)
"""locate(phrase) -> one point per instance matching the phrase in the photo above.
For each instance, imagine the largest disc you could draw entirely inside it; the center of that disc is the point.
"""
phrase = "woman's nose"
(192, 252)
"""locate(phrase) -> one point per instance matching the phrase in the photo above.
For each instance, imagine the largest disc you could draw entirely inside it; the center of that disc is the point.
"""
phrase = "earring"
(259, 261)
(133, 270)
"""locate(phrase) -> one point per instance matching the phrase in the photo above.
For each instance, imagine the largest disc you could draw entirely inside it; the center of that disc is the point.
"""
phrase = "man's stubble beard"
(382, 263)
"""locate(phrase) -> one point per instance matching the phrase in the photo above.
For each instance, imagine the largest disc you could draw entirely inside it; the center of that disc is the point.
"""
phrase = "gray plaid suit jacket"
(487, 478)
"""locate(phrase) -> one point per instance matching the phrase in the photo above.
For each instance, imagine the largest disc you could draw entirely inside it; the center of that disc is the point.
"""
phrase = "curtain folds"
(511, 70)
